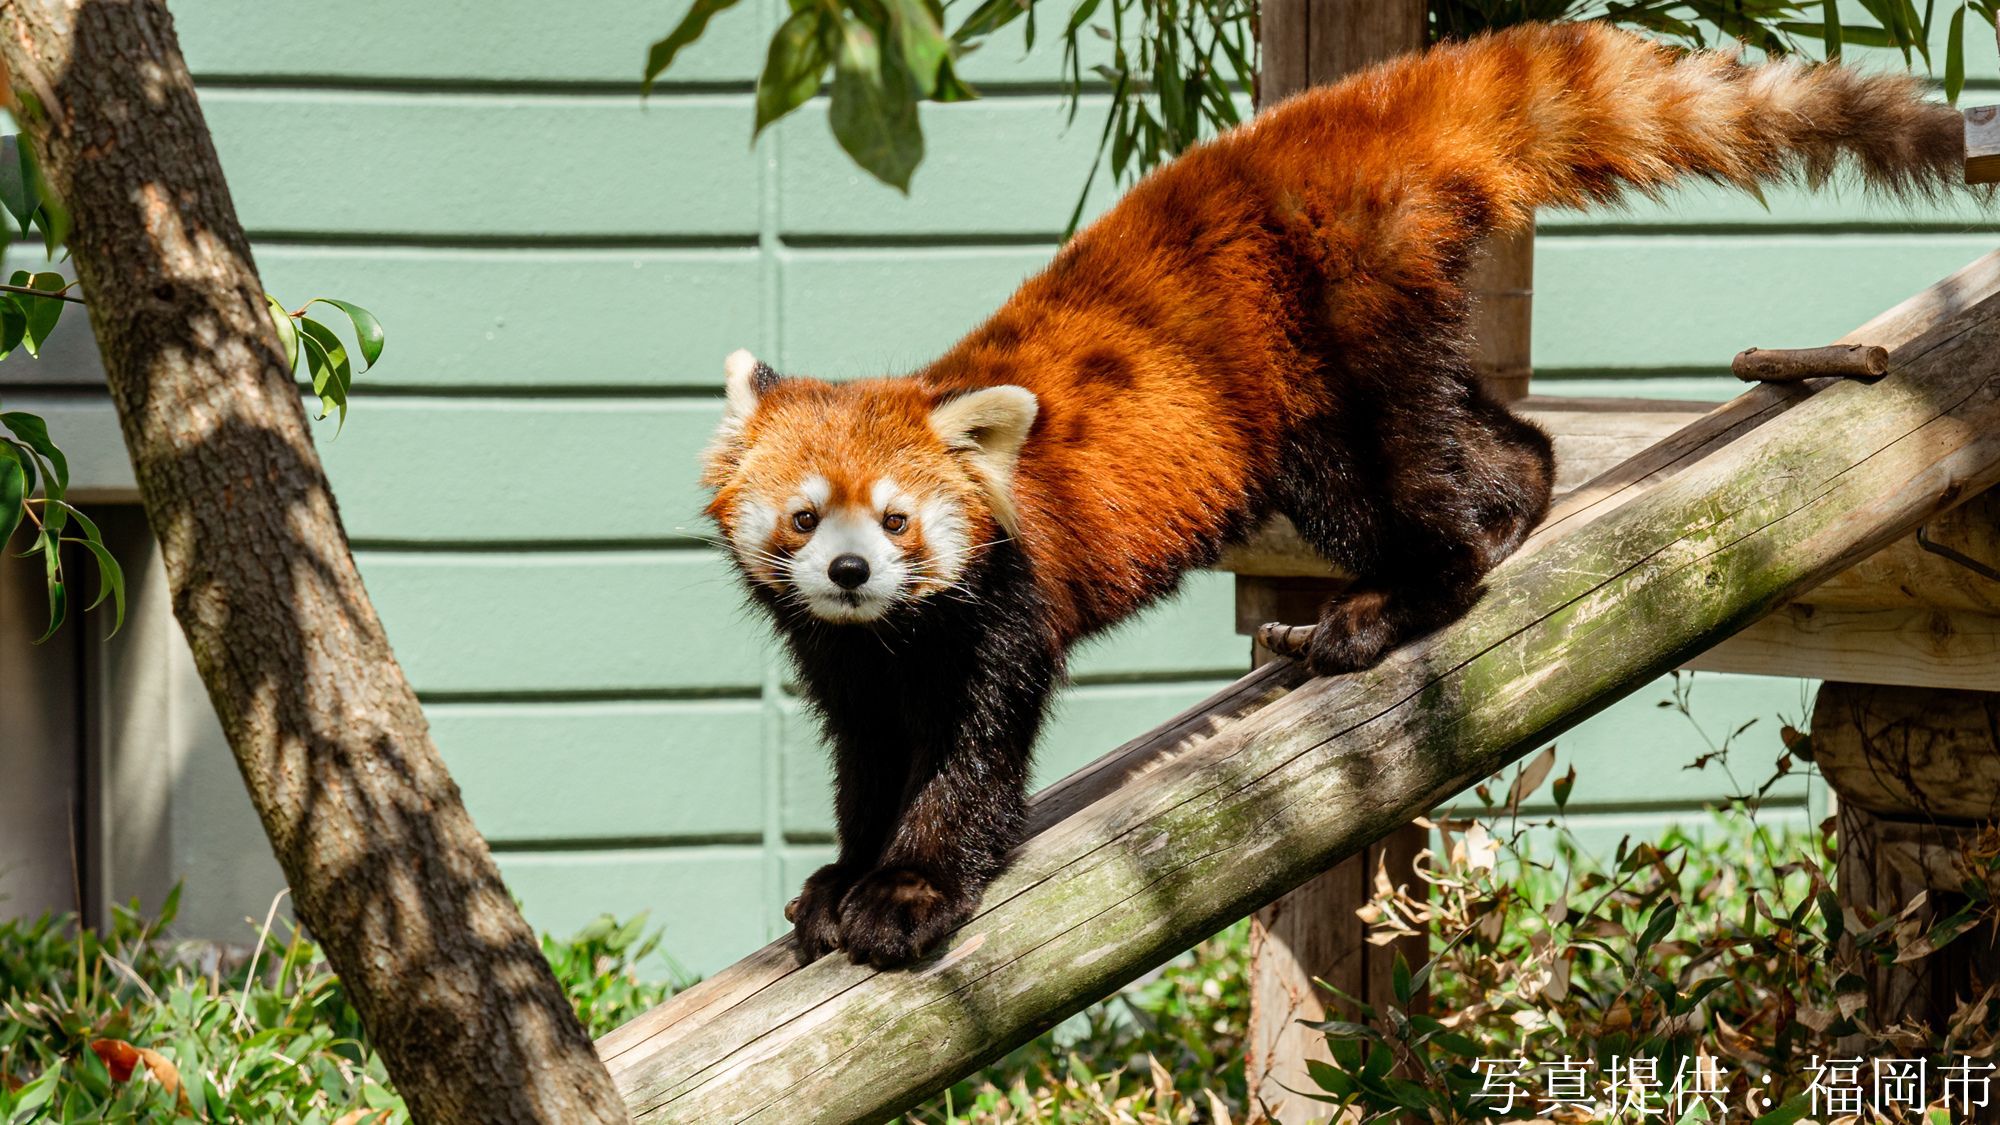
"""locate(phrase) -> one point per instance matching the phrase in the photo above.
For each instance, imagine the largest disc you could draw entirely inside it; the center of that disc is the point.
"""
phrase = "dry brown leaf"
(1529, 779)
(123, 1059)
(118, 1056)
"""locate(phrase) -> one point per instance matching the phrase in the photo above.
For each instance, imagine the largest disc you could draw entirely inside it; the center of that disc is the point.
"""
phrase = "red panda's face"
(852, 500)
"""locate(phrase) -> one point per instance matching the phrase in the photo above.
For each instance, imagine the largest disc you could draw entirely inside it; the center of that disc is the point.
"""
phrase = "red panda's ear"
(745, 379)
(989, 427)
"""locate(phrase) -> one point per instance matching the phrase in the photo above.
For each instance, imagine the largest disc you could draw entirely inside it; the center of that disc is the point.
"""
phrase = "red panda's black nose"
(848, 571)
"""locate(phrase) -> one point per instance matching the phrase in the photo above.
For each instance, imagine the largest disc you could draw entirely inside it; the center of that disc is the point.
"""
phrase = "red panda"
(1275, 322)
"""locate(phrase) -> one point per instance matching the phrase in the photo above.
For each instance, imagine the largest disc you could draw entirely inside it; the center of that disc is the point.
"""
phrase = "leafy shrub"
(1719, 952)
(1721, 961)
(122, 1025)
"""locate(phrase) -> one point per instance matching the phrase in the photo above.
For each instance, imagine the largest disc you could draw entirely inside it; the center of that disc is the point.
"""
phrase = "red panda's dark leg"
(974, 693)
(861, 715)
(870, 762)
(1419, 494)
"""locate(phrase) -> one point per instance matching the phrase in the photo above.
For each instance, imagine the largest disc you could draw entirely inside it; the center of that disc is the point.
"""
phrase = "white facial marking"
(817, 490)
(882, 494)
(750, 534)
(842, 532)
(946, 536)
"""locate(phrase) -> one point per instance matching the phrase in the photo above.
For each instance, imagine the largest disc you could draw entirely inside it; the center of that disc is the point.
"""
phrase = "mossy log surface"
(1221, 812)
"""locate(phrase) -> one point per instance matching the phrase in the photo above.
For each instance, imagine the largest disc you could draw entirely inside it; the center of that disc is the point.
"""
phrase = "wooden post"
(1313, 932)
(1502, 284)
(1917, 771)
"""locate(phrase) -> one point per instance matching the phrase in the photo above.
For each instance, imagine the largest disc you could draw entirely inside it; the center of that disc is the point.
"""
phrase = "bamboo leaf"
(874, 113)
(661, 55)
(922, 42)
(1954, 57)
(1658, 927)
(989, 17)
(950, 87)
(794, 66)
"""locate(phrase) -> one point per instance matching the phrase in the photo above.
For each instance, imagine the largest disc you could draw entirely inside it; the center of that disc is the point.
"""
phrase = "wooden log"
(1794, 365)
(1915, 770)
(1911, 647)
(1946, 565)
(1982, 144)
(1919, 753)
(1244, 809)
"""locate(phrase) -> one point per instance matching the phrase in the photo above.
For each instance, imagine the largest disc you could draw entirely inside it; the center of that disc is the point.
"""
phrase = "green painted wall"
(562, 266)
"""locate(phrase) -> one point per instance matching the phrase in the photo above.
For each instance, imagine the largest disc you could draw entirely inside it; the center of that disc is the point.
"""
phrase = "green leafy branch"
(885, 56)
(31, 304)
(30, 307)
(327, 361)
(27, 458)
(1180, 69)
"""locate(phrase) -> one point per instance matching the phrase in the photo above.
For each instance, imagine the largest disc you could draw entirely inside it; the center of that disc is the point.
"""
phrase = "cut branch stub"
(1796, 365)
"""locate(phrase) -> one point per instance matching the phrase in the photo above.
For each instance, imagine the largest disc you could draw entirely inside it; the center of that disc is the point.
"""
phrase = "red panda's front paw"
(815, 914)
(897, 914)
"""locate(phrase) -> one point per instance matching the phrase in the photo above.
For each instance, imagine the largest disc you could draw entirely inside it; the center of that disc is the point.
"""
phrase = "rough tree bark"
(385, 866)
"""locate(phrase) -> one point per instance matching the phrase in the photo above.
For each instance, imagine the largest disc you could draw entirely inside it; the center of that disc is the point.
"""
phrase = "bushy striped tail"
(1580, 113)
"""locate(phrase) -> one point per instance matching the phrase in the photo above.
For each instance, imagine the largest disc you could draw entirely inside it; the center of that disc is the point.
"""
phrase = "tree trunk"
(385, 866)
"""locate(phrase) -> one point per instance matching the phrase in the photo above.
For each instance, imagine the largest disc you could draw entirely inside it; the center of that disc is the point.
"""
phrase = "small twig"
(57, 294)
(1794, 365)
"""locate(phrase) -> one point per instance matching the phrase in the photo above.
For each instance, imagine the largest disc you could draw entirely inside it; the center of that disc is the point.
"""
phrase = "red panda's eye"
(805, 521)
(895, 522)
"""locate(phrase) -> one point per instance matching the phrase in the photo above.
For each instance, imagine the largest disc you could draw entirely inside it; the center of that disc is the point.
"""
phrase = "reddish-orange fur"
(1272, 323)
(1162, 343)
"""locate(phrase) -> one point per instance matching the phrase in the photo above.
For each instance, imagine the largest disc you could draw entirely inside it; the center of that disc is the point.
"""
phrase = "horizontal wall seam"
(581, 695)
(606, 88)
(808, 241)
(579, 545)
(504, 845)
